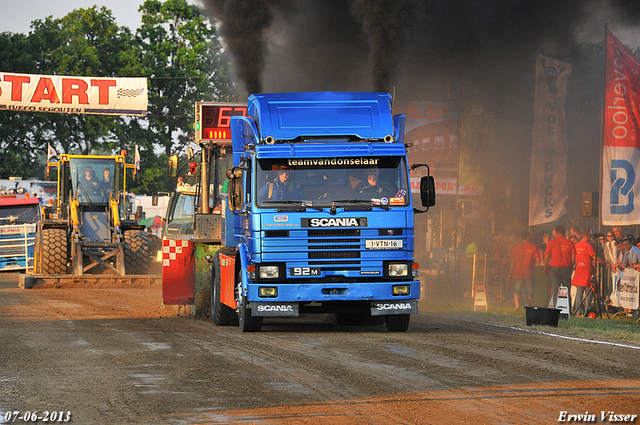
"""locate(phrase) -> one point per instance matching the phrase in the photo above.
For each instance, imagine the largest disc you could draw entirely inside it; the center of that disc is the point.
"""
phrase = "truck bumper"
(324, 292)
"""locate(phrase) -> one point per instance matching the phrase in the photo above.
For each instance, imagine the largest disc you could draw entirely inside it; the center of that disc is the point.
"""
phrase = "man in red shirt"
(559, 259)
(523, 261)
(585, 256)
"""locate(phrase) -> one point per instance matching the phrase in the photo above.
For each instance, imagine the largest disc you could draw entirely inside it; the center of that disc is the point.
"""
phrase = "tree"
(182, 58)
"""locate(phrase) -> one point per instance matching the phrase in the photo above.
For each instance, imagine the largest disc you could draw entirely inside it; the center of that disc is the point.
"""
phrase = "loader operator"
(90, 180)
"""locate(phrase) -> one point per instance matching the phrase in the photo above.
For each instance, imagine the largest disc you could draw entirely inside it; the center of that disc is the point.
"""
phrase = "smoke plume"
(243, 24)
(385, 23)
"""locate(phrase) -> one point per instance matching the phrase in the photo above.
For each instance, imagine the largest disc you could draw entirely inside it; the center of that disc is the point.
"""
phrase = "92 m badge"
(304, 271)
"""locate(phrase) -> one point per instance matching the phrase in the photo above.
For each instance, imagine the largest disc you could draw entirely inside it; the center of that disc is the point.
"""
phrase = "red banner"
(621, 150)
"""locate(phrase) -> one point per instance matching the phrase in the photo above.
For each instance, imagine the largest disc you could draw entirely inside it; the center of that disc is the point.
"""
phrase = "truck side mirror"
(428, 191)
(236, 195)
(172, 166)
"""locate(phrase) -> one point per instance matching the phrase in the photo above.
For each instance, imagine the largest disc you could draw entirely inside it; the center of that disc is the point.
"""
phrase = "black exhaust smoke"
(243, 24)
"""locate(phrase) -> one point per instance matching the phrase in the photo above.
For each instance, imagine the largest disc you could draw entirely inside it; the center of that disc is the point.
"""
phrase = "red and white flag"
(136, 158)
(621, 147)
(548, 185)
(51, 152)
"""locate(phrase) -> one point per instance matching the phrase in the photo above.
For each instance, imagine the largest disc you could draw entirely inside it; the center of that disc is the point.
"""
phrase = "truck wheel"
(221, 314)
(247, 322)
(54, 254)
(397, 322)
(136, 252)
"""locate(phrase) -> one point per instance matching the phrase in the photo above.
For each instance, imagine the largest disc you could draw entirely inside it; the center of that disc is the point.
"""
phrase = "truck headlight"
(269, 272)
(398, 269)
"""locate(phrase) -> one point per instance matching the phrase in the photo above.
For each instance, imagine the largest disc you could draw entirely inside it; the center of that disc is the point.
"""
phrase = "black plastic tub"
(542, 316)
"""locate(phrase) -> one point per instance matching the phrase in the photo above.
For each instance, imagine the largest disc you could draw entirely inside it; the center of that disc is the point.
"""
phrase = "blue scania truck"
(318, 216)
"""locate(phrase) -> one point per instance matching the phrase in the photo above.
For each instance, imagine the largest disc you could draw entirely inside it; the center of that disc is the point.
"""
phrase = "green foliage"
(179, 53)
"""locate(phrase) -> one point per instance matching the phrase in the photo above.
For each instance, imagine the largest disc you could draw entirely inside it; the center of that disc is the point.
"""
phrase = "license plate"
(383, 244)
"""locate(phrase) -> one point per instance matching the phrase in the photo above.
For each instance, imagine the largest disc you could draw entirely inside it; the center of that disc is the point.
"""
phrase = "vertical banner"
(621, 147)
(548, 184)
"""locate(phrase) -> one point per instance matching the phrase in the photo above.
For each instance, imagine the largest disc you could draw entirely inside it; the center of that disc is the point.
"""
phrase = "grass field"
(621, 329)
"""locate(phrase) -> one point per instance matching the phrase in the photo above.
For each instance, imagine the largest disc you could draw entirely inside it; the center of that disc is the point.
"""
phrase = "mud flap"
(275, 309)
(383, 308)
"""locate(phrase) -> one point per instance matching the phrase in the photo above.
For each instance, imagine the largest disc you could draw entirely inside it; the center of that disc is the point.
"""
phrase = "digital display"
(216, 120)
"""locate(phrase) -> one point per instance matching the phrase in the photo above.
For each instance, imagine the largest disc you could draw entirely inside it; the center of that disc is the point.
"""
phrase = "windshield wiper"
(362, 202)
(296, 203)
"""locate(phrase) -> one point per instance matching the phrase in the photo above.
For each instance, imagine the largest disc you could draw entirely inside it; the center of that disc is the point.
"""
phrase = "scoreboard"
(212, 120)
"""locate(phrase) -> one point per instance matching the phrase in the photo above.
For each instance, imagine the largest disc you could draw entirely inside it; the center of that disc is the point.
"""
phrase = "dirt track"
(119, 356)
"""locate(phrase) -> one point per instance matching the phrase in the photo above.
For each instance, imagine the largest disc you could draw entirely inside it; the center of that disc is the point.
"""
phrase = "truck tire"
(221, 314)
(247, 322)
(397, 322)
(54, 253)
(136, 252)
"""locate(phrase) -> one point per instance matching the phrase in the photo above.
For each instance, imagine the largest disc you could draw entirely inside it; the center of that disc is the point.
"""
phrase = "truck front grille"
(334, 254)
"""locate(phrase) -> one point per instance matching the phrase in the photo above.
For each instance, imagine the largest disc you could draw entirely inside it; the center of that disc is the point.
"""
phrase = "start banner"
(621, 146)
(73, 95)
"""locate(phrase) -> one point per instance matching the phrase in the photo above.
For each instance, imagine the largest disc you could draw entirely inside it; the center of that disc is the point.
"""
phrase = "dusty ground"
(120, 356)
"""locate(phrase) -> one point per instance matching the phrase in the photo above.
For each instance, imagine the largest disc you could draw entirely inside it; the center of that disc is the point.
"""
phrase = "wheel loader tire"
(55, 251)
(136, 252)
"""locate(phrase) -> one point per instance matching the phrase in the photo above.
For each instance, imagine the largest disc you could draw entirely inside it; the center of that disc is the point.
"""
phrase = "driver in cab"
(373, 184)
(90, 179)
(281, 188)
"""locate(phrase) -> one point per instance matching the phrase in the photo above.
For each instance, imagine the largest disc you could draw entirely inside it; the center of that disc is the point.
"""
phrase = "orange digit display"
(216, 120)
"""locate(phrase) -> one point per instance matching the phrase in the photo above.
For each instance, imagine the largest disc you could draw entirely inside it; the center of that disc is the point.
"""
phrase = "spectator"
(471, 247)
(585, 256)
(632, 253)
(559, 258)
(617, 232)
(523, 261)
(575, 232)
(611, 258)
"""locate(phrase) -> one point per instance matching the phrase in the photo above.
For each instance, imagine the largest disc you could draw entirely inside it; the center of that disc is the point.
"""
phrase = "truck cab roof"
(288, 116)
(12, 200)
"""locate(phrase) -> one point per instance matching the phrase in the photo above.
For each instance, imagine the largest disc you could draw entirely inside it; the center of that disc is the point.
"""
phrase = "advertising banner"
(73, 95)
(621, 147)
(625, 290)
(548, 184)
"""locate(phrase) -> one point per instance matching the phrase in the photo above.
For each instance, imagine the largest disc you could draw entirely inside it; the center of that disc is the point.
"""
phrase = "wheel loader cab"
(94, 181)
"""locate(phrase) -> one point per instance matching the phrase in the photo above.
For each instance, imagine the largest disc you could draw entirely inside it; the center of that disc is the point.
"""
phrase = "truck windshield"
(92, 179)
(181, 218)
(19, 214)
(322, 181)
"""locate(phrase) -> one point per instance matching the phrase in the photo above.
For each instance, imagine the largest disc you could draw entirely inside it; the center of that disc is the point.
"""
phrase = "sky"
(16, 16)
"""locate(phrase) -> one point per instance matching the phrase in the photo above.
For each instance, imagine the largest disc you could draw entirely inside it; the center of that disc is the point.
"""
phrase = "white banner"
(625, 289)
(548, 184)
(73, 95)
